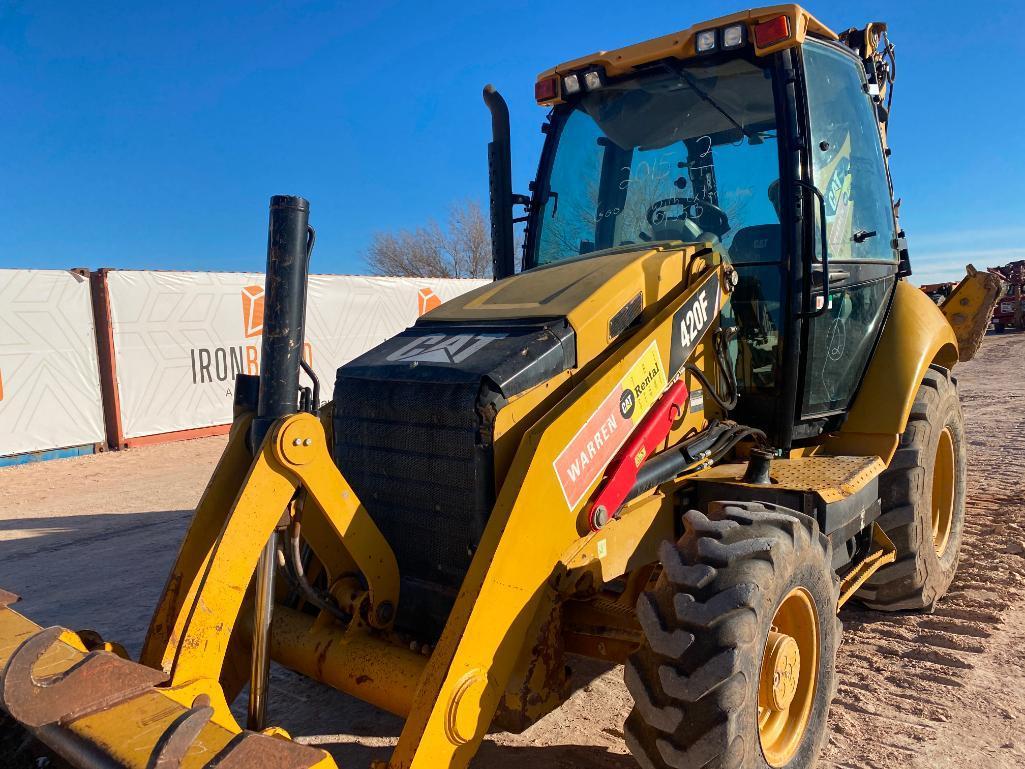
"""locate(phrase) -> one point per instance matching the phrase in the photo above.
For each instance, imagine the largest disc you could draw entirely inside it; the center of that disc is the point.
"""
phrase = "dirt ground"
(88, 541)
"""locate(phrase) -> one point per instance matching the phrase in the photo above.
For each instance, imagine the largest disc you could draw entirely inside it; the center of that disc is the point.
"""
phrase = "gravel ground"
(88, 541)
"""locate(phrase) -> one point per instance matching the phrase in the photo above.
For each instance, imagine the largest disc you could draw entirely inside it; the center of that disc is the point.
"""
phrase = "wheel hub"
(787, 681)
(942, 511)
(780, 671)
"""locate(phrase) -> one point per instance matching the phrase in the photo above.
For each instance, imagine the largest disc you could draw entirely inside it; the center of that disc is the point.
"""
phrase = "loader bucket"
(97, 710)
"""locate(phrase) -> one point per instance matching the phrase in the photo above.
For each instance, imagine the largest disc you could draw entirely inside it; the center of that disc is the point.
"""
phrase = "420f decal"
(692, 320)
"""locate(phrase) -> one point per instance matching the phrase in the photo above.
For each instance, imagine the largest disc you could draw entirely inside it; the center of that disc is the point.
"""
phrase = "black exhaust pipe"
(284, 311)
(503, 259)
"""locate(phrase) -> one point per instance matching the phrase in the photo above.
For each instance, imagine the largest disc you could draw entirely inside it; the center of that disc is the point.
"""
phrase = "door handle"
(821, 300)
(835, 276)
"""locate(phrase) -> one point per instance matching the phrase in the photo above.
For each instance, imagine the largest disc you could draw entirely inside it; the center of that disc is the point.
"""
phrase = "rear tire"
(923, 502)
(696, 682)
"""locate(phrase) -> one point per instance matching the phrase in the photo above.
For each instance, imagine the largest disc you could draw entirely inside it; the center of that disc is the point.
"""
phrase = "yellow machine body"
(538, 585)
(531, 592)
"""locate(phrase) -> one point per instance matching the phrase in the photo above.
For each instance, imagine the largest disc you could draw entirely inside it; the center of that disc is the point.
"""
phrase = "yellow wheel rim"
(943, 492)
(786, 684)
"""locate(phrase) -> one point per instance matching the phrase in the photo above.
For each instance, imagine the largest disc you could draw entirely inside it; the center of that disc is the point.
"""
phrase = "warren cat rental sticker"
(607, 430)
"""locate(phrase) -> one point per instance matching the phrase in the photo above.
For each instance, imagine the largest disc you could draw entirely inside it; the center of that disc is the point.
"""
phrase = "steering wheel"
(706, 215)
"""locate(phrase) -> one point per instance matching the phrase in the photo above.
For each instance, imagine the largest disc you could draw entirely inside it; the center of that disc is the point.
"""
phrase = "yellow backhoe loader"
(705, 412)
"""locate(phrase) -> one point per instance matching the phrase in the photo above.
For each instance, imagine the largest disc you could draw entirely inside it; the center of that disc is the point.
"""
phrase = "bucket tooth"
(252, 749)
(175, 743)
(96, 682)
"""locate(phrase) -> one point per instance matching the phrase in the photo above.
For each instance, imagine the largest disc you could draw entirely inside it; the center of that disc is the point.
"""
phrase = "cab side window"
(849, 170)
(847, 157)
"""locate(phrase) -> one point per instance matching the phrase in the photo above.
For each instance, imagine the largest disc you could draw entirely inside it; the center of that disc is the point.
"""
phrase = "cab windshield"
(684, 152)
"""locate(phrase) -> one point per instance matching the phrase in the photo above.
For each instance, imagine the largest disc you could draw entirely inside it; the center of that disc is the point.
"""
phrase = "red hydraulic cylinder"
(622, 472)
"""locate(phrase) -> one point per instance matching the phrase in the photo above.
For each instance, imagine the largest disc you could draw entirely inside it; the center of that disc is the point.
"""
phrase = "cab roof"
(681, 45)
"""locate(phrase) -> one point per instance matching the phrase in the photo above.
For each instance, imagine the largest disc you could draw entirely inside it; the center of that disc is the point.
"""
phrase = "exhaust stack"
(500, 181)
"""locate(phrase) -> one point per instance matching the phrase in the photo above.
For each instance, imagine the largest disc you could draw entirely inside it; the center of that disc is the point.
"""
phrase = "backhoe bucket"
(969, 308)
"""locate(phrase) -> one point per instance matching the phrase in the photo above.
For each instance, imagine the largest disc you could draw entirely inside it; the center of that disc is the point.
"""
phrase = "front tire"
(748, 592)
(923, 502)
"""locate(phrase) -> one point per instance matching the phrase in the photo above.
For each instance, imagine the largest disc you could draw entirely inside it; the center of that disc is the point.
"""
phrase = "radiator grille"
(414, 427)
(412, 453)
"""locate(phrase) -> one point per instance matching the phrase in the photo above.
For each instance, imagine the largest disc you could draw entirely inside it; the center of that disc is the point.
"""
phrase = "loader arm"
(537, 526)
(76, 700)
(294, 456)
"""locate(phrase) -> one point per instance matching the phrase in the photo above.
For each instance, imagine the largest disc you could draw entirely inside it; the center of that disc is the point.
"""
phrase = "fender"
(915, 336)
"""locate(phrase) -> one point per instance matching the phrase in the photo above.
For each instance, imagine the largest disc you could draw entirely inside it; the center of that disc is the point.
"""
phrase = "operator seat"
(755, 245)
(758, 243)
(755, 304)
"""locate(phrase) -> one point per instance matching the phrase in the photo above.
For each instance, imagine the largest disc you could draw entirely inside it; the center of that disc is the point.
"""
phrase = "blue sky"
(151, 134)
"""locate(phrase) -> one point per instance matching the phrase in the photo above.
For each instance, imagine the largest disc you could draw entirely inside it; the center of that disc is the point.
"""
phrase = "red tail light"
(546, 90)
(772, 31)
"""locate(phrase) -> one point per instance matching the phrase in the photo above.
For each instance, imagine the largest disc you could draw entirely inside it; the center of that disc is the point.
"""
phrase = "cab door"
(850, 300)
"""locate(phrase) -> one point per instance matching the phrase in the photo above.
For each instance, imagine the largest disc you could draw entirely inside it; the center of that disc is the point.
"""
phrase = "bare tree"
(462, 250)
(469, 240)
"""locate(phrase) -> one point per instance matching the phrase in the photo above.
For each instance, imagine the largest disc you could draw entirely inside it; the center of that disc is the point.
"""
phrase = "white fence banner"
(49, 378)
(181, 337)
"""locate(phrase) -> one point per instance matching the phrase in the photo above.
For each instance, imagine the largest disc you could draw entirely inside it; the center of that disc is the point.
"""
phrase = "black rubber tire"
(695, 681)
(919, 577)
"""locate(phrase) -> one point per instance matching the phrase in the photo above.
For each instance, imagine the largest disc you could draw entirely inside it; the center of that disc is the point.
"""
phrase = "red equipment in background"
(1010, 309)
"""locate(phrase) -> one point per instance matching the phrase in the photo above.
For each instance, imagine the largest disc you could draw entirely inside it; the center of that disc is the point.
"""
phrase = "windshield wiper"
(689, 78)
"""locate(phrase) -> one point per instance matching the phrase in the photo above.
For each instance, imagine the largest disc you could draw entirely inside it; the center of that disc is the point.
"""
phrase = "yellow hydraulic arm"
(71, 696)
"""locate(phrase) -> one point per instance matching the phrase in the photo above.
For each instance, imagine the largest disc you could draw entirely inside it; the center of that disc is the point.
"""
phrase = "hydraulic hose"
(720, 342)
(669, 464)
(296, 572)
(707, 447)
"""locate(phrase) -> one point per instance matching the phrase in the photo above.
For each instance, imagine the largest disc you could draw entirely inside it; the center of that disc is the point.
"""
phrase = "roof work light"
(706, 41)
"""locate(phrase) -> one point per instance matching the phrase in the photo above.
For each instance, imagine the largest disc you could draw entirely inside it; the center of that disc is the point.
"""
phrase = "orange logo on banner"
(427, 300)
(1, 385)
(252, 310)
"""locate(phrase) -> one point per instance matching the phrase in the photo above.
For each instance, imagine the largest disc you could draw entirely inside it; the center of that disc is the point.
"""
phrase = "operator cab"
(748, 134)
